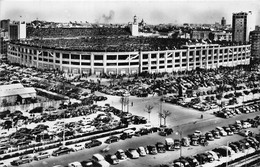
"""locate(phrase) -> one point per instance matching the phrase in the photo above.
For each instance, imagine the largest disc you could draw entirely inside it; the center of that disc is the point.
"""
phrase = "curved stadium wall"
(82, 62)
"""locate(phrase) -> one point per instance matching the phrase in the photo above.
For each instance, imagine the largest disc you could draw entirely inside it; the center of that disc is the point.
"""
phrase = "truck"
(169, 143)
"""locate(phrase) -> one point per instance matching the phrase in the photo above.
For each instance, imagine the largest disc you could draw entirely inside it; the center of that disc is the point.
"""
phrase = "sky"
(122, 11)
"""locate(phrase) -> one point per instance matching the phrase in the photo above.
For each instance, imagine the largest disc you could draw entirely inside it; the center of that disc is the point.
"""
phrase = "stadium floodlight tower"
(134, 27)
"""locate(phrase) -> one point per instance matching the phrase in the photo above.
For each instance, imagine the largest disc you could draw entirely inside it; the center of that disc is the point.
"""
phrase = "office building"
(255, 44)
(223, 22)
(242, 24)
(17, 30)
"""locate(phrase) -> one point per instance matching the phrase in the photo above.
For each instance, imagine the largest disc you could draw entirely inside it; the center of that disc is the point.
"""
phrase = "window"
(51, 60)
(65, 62)
(145, 63)
(45, 60)
(177, 60)
(98, 57)
(73, 56)
(85, 57)
(111, 57)
(123, 64)
(153, 55)
(161, 62)
(160, 67)
(45, 54)
(191, 53)
(169, 61)
(57, 55)
(75, 63)
(153, 67)
(98, 64)
(177, 54)
(197, 52)
(145, 56)
(169, 66)
(85, 64)
(57, 61)
(111, 64)
(183, 53)
(65, 56)
(161, 55)
(134, 63)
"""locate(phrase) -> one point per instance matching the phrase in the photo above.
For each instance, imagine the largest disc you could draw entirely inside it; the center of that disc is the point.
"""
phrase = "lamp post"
(227, 154)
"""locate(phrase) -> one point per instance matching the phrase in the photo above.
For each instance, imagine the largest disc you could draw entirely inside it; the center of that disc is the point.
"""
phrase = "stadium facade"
(189, 57)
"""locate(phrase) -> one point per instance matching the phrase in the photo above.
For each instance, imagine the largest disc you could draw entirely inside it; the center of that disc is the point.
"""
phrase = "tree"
(148, 109)
(164, 115)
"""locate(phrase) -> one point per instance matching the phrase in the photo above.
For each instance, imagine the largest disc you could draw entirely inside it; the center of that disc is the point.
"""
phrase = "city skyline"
(153, 12)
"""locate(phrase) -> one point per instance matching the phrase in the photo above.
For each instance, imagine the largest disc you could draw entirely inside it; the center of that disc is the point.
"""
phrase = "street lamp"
(179, 132)
(227, 154)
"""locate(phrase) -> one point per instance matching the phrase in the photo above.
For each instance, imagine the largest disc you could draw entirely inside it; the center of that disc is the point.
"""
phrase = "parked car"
(61, 150)
(166, 131)
(112, 159)
(78, 147)
(152, 149)
(245, 132)
(42, 155)
(22, 160)
(120, 154)
(142, 151)
(222, 132)
(246, 125)
(87, 163)
(192, 161)
(132, 153)
(92, 143)
(75, 164)
(112, 139)
(185, 141)
(209, 136)
(160, 147)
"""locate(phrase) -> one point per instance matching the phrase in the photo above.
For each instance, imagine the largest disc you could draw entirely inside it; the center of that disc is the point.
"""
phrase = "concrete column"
(149, 62)
(188, 59)
(92, 63)
(173, 61)
(218, 56)
(207, 58)
(80, 68)
(157, 62)
(105, 63)
(70, 70)
(180, 61)
(140, 62)
(165, 61)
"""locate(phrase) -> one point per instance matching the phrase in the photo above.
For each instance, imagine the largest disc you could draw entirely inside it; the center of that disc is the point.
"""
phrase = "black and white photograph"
(129, 83)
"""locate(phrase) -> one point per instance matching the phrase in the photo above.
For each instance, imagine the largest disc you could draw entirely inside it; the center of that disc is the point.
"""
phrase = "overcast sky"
(122, 11)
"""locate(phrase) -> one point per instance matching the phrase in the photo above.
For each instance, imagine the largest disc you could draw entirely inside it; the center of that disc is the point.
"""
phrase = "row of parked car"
(217, 153)
(231, 112)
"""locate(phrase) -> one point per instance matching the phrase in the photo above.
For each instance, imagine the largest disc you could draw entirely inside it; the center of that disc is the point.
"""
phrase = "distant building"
(255, 43)
(220, 36)
(17, 30)
(16, 94)
(223, 22)
(200, 34)
(242, 24)
(4, 24)
(3, 48)
(134, 27)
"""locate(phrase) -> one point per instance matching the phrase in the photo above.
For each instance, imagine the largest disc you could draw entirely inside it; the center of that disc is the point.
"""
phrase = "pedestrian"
(201, 116)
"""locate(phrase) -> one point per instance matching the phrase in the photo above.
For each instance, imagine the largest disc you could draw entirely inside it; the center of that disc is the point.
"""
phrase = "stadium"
(114, 51)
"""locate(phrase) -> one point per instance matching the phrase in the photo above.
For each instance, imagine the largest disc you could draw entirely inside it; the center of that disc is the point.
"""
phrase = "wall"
(29, 107)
